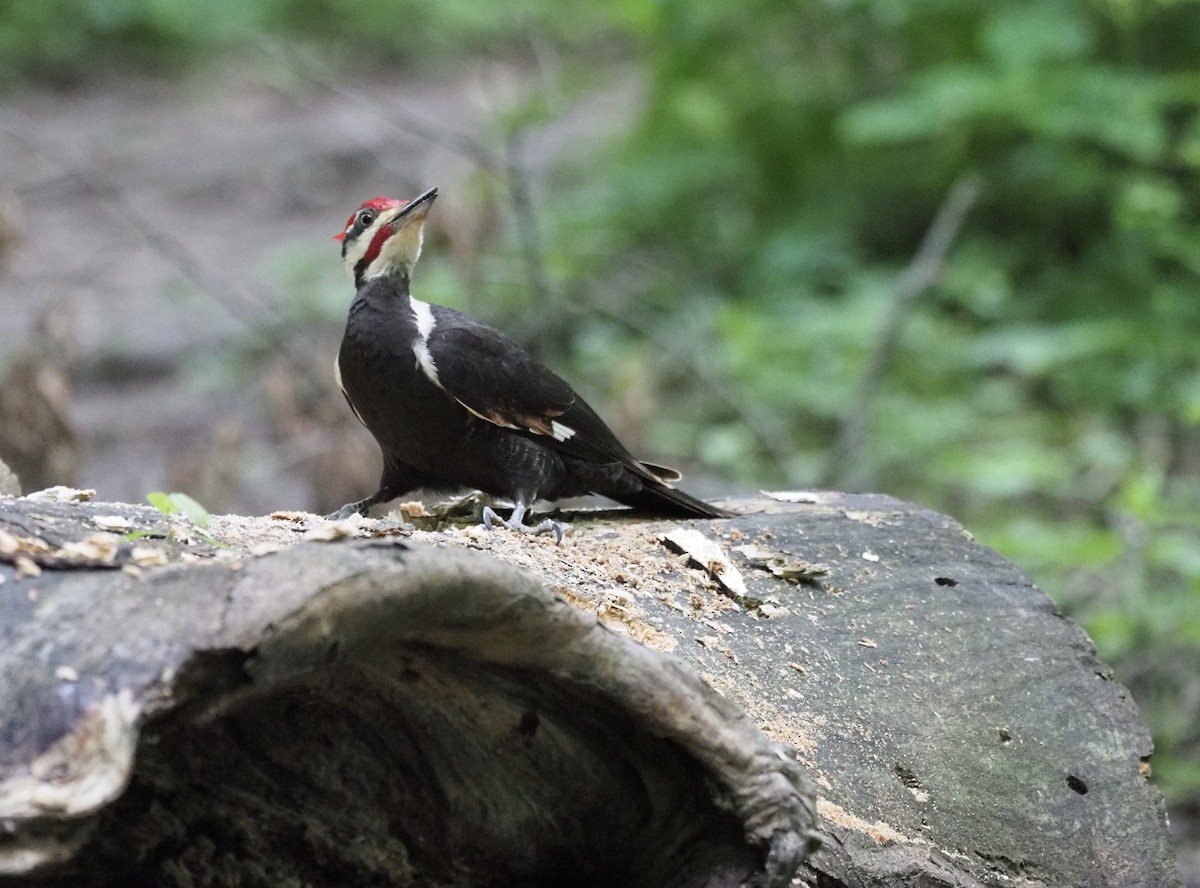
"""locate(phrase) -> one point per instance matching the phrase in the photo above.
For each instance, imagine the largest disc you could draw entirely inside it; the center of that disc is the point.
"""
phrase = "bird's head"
(384, 236)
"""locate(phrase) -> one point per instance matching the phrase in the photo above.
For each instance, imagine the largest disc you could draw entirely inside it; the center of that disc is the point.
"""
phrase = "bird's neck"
(397, 273)
(382, 302)
(384, 288)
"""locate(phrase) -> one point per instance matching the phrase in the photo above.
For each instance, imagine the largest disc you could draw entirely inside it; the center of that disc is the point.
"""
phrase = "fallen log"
(284, 701)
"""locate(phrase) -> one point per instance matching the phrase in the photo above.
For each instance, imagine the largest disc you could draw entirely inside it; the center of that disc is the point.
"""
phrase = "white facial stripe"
(425, 322)
(357, 250)
(401, 249)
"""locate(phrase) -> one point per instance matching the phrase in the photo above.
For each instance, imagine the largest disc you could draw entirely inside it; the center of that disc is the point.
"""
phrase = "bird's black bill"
(425, 198)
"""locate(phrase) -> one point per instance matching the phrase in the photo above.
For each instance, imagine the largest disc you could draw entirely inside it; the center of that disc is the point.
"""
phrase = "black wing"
(497, 381)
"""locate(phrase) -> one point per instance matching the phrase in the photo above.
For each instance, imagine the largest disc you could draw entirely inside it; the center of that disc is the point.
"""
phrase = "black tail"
(667, 502)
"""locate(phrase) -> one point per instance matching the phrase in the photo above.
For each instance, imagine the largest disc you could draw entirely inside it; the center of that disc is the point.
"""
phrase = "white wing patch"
(425, 322)
(561, 432)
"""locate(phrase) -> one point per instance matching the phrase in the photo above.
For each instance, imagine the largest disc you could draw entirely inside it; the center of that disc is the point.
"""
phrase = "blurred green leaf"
(171, 503)
(1031, 34)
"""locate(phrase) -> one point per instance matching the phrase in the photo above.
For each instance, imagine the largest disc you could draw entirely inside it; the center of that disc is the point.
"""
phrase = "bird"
(454, 403)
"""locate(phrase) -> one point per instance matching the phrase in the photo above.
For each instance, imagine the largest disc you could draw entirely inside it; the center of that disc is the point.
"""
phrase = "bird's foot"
(516, 522)
(351, 509)
(363, 506)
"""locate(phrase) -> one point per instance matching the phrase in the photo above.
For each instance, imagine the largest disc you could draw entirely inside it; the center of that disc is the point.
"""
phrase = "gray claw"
(516, 522)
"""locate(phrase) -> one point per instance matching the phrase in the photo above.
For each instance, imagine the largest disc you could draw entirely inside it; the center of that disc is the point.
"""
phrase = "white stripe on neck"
(425, 322)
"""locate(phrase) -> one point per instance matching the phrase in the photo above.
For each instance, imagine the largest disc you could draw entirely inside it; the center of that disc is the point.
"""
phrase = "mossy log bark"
(398, 709)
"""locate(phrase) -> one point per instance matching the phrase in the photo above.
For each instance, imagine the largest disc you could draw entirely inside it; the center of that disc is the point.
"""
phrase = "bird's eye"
(365, 218)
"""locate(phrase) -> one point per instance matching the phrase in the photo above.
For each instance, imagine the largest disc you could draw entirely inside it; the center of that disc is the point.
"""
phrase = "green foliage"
(1046, 389)
(179, 503)
(73, 40)
(723, 271)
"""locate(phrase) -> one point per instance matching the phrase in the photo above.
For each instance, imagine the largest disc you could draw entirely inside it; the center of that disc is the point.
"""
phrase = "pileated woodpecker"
(454, 403)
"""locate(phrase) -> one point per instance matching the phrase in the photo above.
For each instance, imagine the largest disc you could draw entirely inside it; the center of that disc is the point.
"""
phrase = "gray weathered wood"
(403, 711)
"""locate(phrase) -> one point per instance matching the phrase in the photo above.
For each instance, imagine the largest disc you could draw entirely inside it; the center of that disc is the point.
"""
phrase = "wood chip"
(792, 496)
(62, 495)
(102, 547)
(414, 509)
(295, 517)
(708, 555)
(875, 519)
(11, 544)
(335, 530)
(148, 556)
(797, 569)
(113, 522)
(772, 611)
(755, 554)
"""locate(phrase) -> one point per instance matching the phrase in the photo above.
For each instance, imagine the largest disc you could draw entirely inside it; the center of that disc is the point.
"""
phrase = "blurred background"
(942, 249)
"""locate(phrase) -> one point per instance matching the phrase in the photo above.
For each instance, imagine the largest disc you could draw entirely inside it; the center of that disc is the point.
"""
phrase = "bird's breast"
(384, 382)
(397, 396)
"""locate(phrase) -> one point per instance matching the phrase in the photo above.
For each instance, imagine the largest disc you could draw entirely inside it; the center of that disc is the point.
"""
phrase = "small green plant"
(179, 503)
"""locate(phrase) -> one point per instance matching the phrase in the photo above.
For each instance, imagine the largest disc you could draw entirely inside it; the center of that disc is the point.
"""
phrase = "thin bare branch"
(846, 459)
(529, 237)
(768, 430)
(240, 301)
(249, 306)
(397, 118)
